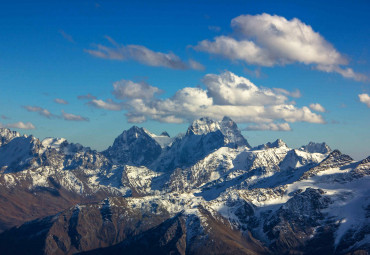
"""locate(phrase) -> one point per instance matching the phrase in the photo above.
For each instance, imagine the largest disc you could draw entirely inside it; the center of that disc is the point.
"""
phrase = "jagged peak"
(6, 135)
(278, 143)
(336, 156)
(366, 160)
(203, 126)
(313, 147)
(52, 142)
(164, 133)
(132, 132)
(226, 126)
(135, 129)
(226, 118)
(7, 131)
(163, 139)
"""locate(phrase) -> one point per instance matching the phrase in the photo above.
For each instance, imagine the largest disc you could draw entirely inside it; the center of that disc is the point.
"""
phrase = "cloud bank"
(20, 125)
(142, 55)
(226, 94)
(269, 40)
(269, 126)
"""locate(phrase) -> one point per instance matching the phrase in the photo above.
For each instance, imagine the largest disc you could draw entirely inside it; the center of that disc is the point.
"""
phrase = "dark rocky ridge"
(133, 146)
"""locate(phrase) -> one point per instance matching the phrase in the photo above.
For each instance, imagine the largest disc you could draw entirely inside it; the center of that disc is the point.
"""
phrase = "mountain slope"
(206, 192)
(134, 146)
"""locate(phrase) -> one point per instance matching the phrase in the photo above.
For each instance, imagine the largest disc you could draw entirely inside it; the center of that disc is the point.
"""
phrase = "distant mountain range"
(207, 191)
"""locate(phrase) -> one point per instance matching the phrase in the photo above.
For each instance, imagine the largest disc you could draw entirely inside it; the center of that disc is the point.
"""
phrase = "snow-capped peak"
(316, 148)
(277, 144)
(6, 135)
(135, 146)
(164, 133)
(227, 127)
(53, 143)
(163, 139)
(203, 126)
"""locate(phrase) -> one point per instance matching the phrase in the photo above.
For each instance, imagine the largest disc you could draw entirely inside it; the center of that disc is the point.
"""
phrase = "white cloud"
(226, 95)
(364, 98)
(42, 111)
(317, 107)
(345, 72)
(73, 117)
(233, 49)
(109, 105)
(296, 93)
(229, 89)
(140, 54)
(20, 125)
(60, 101)
(125, 89)
(269, 126)
(196, 65)
(269, 40)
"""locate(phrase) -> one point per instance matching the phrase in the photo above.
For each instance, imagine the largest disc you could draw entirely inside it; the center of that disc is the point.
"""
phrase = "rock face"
(205, 192)
(202, 137)
(277, 144)
(334, 160)
(316, 148)
(6, 135)
(82, 228)
(133, 146)
(227, 127)
(291, 227)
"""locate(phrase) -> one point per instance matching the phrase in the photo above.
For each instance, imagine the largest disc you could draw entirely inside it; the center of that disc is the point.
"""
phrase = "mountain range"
(207, 191)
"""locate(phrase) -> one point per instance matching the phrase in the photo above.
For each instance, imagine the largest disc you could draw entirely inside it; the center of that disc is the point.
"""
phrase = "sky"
(87, 70)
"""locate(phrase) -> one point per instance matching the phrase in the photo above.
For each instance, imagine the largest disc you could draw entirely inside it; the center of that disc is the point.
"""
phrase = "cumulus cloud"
(229, 89)
(140, 54)
(364, 98)
(20, 125)
(226, 94)
(269, 126)
(125, 89)
(73, 117)
(42, 111)
(317, 107)
(66, 36)
(269, 40)
(60, 101)
(233, 49)
(108, 105)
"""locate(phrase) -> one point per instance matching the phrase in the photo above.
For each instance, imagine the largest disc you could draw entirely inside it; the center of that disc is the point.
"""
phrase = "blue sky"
(295, 70)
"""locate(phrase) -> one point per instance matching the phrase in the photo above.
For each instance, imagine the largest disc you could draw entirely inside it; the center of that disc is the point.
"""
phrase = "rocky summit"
(204, 192)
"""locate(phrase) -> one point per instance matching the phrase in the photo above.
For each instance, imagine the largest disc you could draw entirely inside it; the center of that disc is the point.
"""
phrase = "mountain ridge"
(208, 186)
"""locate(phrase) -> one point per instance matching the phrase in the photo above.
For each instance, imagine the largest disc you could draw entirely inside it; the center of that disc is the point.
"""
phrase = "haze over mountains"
(207, 191)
